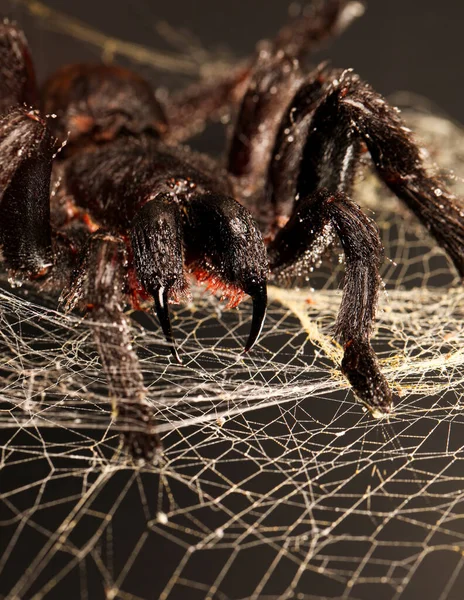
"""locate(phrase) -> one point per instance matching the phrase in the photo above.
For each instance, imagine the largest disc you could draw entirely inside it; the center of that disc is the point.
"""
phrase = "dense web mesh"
(273, 482)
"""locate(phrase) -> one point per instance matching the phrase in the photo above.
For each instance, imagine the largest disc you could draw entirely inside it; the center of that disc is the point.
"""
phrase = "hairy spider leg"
(300, 239)
(99, 287)
(281, 190)
(275, 79)
(26, 154)
(17, 75)
(323, 167)
(399, 164)
(350, 113)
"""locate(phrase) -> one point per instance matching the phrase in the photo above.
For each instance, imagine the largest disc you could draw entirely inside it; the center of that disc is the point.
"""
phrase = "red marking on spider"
(82, 123)
(34, 116)
(138, 294)
(73, 213)
(90, 223)
(180, 293)
(41, 273)
(214, 284)
(281, 221)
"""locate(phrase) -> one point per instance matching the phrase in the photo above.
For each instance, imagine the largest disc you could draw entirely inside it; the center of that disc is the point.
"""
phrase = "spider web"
(268, 460)
(273, 482)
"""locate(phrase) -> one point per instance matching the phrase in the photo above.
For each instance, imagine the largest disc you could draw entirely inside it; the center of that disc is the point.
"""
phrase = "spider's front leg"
(314, 219)
(317, 166)
(26, 154)
(99, 288)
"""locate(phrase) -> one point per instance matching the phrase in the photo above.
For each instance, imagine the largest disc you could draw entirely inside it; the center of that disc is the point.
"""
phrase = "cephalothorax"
(133, 213)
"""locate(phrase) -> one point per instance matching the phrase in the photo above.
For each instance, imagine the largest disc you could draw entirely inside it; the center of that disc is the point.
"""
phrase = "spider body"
(134, 212)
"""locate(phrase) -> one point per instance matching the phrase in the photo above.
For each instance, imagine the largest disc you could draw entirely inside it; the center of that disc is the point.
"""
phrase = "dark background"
(398, 45)
(413, 45)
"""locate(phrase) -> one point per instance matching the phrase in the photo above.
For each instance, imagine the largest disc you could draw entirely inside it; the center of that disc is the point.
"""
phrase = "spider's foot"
(360, 366)
(138, 436)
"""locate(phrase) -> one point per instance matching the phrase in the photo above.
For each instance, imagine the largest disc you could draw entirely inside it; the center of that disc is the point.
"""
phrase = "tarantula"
(132, 212)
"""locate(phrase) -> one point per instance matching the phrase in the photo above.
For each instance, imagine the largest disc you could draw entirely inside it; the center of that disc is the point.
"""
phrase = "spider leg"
(398, 162)
(189, 110)
(348, 114)
(275, 80)
(98, 286)
(359, 237)
(330, 148)
(17, 76)
(314, 161)
(26, 154)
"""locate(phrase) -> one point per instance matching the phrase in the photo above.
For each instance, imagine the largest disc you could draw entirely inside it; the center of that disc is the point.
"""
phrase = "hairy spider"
(133, 212)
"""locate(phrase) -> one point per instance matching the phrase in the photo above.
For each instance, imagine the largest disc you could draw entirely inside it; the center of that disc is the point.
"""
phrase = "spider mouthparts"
(162, 312)
(259, 297)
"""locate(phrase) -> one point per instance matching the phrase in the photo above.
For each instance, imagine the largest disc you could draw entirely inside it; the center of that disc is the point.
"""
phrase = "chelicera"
(100, 201)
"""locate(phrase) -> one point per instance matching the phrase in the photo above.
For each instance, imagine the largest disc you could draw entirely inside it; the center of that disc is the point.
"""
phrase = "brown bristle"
(214, 284)
(138, 295)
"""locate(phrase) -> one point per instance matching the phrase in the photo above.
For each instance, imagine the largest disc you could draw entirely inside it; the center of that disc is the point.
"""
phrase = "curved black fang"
(259, 313)
(162, 311)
